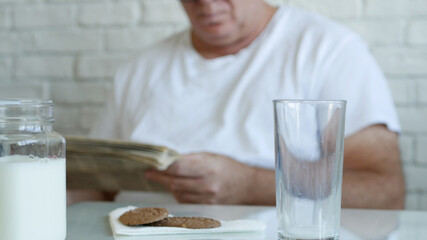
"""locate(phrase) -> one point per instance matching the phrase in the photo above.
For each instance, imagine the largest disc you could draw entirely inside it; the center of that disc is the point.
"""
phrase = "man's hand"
(208, 178)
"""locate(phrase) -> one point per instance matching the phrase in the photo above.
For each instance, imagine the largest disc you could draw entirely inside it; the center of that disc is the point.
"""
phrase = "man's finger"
(188, 167)
(174, 183)
(158, 177)
(186, 197)
(190, 185)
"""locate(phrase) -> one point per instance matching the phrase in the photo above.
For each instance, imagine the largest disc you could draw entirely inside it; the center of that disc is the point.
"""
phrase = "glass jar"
(32, 172)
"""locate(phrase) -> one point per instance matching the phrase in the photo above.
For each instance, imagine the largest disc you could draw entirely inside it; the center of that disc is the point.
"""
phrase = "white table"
(89, 220)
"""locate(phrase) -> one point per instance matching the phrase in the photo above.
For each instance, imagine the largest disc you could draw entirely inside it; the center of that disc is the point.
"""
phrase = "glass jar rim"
(35, 102)
(16, 110)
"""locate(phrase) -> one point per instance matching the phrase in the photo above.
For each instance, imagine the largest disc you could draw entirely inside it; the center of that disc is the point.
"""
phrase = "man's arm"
(373, 175)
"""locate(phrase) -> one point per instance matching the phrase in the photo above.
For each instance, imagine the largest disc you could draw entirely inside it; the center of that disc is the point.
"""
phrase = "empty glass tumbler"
(309, 144)
(32, 172)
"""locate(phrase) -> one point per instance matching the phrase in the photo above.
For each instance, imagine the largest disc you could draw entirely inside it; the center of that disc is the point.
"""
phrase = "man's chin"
(216, 33)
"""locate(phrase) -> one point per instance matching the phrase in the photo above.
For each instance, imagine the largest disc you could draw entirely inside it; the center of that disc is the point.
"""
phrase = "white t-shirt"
(172, 96)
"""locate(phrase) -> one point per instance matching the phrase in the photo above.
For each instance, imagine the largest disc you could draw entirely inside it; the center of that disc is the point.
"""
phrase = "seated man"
(207, 92)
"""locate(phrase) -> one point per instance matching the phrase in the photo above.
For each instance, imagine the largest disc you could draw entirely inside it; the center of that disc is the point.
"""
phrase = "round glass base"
(283, 237)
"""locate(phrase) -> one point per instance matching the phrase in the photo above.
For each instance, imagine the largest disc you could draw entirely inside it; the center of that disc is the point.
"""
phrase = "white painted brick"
(379, 31)
(421, 147)
(43, 16)
(15, 42)
(332, 8)
(163, 11)
(136, 38)
(411, 201)
(66, 118)
(22, 90)
(413, 119)
(77, 132)
(98, 66)
(402, 61)
(422, 91)
(65, 41)
(5, 18)
(107, 13)
(406, 144)
(44, 66)
(396, 8)
(16, 1)
(89, 116)
(5, 67)
(423, 202)
(417, 32)
(415, 178)
(403, 91)
(79, 93)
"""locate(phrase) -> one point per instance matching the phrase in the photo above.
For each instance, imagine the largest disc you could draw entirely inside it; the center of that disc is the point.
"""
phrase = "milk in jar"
(32, 204)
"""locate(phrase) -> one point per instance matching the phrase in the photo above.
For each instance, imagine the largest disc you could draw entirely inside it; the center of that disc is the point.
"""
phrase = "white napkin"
(235, 226)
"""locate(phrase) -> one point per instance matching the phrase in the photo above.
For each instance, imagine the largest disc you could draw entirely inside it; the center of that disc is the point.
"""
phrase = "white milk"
(32, 198)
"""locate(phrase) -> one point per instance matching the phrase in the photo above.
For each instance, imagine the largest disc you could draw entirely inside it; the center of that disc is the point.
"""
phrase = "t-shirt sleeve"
(352, 74)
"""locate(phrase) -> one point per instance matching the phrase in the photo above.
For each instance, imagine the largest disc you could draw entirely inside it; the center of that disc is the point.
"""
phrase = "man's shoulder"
(316, 26)
(155, 56)
(310, 34)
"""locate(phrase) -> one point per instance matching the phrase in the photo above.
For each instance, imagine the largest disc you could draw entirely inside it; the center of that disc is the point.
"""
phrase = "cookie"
(141, 216)
(187, 222)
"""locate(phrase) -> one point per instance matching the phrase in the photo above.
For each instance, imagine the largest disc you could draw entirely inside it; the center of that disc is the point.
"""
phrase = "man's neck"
(212, 49)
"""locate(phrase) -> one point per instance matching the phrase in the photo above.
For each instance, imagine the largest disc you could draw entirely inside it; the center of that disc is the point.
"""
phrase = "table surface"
(89, 220)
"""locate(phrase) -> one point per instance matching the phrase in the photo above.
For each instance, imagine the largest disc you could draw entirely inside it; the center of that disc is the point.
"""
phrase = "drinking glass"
(309, 144)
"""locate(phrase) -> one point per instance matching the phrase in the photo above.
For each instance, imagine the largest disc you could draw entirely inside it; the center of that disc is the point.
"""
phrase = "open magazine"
(113, 164)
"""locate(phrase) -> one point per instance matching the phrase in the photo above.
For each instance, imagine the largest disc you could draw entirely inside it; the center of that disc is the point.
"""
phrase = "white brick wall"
(403, 90)
(68, 41)
(162, 11)
(412, 201)
(18, 89)
(379, 31)
(68, 51)
(44, 66)
(402, 60)
(421, 154)
(5, 67)
(415, 181)
(407, 148)
(13, 42)
(5, 20)
(136, 38)
(108, 14)
(413, 119)
(348, 9)
(29, 16)
(417, 33)
(98, 66)
(396, 8)
(421, 91)
(79, 93)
